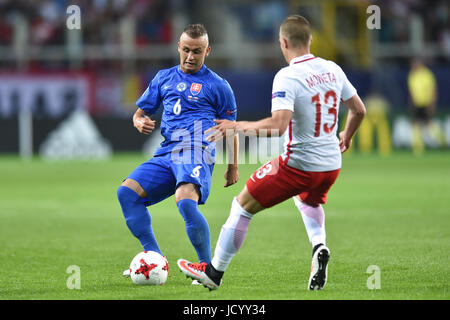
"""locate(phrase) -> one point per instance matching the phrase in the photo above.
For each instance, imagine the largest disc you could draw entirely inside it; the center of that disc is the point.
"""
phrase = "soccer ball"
(149, 268)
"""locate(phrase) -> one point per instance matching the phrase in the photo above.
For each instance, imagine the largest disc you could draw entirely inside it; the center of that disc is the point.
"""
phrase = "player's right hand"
(223, 128)
(231, 175)
(145, 125)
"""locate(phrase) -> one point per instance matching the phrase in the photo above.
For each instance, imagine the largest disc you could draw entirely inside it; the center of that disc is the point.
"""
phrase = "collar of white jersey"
(302, 58)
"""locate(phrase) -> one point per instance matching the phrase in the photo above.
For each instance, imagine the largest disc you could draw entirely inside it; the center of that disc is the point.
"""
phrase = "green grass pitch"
(390, 212)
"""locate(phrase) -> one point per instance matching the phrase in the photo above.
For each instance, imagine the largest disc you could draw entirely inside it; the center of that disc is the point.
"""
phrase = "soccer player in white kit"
(305, 101)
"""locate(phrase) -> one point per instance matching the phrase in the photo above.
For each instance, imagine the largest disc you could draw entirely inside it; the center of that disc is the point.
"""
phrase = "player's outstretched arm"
(142, 122)
(356, 114)
(269, 127)
(275, 125)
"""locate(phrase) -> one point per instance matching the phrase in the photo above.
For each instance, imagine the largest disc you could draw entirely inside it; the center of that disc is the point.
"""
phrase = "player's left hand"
(231, 175)
(344, 142)
(223, 128)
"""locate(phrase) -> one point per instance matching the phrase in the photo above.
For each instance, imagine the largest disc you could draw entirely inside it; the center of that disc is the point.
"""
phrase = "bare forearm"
(354, 120)
(232, 172)
(255, 128)
(270, 127)
(273, 126)
(356, 113)
(232, 150)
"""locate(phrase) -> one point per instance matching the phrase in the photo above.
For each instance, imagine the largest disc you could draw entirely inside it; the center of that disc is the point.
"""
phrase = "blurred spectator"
(423, 92)
(445, 40)
(260, 21)
(100, 20)
(47, 23)
(395, 16)
(376, 122)
(5, 30)
(154, 24)
(154, 19)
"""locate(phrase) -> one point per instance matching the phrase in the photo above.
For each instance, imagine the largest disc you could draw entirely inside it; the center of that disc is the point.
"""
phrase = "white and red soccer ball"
(149, 268)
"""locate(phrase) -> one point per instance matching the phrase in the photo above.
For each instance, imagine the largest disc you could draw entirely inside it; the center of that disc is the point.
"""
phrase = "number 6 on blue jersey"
(177, 107)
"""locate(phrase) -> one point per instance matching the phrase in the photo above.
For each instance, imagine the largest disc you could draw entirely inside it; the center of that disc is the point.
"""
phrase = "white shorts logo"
(196, 173)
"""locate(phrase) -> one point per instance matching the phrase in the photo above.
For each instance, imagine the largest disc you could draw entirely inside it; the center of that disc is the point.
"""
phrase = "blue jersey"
(191, 102)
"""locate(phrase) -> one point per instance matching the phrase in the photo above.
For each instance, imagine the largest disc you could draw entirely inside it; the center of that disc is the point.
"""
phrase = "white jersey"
(312, 89)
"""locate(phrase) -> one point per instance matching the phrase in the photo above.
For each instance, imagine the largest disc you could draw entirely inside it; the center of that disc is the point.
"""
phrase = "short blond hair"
(195, 30)
(296, 30)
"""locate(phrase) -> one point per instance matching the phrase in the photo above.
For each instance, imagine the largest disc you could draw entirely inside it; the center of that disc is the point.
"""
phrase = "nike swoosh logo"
(185, 267)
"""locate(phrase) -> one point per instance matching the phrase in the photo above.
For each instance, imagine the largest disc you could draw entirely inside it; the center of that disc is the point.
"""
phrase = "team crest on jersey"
(196, 88)
(181, 86)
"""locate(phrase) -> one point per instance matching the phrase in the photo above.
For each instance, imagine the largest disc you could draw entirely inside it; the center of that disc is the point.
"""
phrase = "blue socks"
(139, 222)
(137, 218)
(197, 228)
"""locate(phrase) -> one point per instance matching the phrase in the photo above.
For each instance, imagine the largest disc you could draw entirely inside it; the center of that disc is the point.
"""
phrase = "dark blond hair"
(195, 30)
(296, 30)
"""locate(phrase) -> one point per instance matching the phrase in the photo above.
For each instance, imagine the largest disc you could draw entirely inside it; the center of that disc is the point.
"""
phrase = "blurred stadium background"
(47, 71)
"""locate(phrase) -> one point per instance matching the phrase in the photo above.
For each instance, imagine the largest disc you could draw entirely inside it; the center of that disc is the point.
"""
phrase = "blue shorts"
(160, 177)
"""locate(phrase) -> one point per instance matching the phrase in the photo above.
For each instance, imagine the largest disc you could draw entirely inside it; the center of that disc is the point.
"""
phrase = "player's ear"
(285, 43)
(208, 50)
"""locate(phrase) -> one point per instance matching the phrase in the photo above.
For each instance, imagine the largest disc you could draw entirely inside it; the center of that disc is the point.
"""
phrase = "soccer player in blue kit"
(192, 97)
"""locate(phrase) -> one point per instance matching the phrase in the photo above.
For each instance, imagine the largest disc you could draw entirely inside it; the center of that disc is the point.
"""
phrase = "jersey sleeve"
(348, 90)
(283, 92)
(226, 102)
(151, 98)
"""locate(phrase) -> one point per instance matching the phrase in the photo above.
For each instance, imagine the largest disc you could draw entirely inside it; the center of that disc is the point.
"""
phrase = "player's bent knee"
(126, 195)
(135, 186)
(187, 191)
(248, 203)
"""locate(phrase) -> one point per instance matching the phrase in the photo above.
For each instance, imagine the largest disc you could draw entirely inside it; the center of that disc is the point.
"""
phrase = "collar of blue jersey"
(198, 73)
(301, 58)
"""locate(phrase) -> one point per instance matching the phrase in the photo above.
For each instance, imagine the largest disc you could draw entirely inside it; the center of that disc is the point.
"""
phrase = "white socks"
(235, 229)
(231, 236)
(314, 219)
